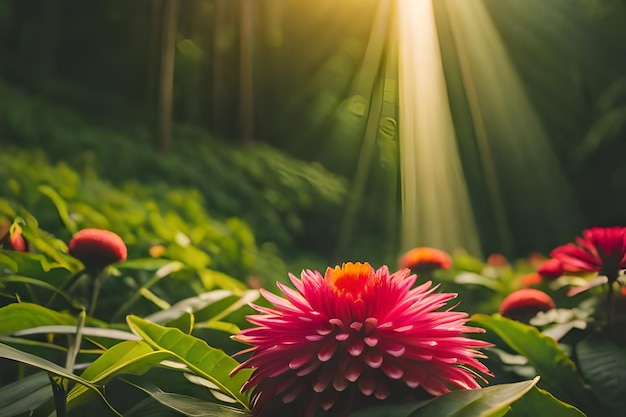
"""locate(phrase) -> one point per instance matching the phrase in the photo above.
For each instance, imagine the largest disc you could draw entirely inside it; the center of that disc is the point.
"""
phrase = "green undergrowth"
(283, 199)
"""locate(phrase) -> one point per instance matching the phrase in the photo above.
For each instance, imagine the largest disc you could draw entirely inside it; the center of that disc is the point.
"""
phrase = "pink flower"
(354, 333)
(425, 259)
(601, 249)
(97, 248)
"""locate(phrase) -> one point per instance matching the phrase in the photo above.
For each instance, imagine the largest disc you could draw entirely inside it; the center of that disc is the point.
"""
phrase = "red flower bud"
(552, 268)
(523, 304)
(425, 259)
(498, 260)
(97, 248)
(13, 241)
(530, 279)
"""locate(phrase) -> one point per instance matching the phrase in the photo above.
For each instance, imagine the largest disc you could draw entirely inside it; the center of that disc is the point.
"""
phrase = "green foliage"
(557, 370)
(145, 217)
(206, 362)
(272, 192)
(176, 360)
(602, 363)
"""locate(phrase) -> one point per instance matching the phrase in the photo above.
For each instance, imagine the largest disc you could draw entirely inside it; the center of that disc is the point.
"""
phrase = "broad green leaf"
(127, 358)
(558, 372)
(190, 406)
(183, 323)
(17, 355)
(603, 364)
(20, 316)
(205, 361)
(25, 394)
(540, 403)
(492, 401)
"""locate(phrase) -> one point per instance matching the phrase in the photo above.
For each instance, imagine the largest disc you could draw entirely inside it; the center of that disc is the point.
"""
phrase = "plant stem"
(60, 394)
(94, 286)
(609, 305)
(74, 342)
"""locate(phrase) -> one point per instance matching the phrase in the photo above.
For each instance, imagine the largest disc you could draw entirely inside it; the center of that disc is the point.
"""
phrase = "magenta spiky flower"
(355, 333)
(600, 249)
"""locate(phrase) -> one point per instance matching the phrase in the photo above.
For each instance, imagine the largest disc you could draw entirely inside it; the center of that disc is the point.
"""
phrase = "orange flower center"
(351, 277)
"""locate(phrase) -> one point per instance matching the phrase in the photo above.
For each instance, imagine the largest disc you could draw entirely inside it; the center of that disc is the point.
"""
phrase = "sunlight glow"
(511, 159)
(435, 202)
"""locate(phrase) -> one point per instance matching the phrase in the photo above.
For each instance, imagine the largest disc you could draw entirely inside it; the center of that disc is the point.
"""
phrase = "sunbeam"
(435, 201)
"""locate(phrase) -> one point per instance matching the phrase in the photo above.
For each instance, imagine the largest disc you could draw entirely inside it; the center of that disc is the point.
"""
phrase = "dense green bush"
(280, 197)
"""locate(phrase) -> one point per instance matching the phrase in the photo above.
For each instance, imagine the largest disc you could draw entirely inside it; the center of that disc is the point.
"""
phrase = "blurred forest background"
(284, 114)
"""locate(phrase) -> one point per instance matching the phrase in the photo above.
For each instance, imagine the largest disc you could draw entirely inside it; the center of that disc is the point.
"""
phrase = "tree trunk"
(217, 58)
(166, 90)
(154, 43)
(246, 57)
(51, 15)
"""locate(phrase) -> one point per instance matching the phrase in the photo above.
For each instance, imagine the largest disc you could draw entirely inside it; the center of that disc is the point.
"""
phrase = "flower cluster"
(355, 333)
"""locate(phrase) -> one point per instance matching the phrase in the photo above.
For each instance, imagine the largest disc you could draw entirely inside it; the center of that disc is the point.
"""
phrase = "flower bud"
(524, 304)
(425, 259)
(97, 248)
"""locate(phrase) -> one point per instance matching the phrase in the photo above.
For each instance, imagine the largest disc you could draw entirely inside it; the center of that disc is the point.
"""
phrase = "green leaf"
(17, 355)
(7, 260)
(46, 243)
(190, 406)
(387, 410)
(603, 364)
(86, 331)
(25, 395)
(540, 403)
(470, 278)
(211, 278)
(183, 323)
(21, 316)
(218, 325)
(493, 401)
(42, 284)
(145, 264)
(558, 372)
(192, 304)
(60, 205)
(160, 273)
(128, 358)
(205, 361)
